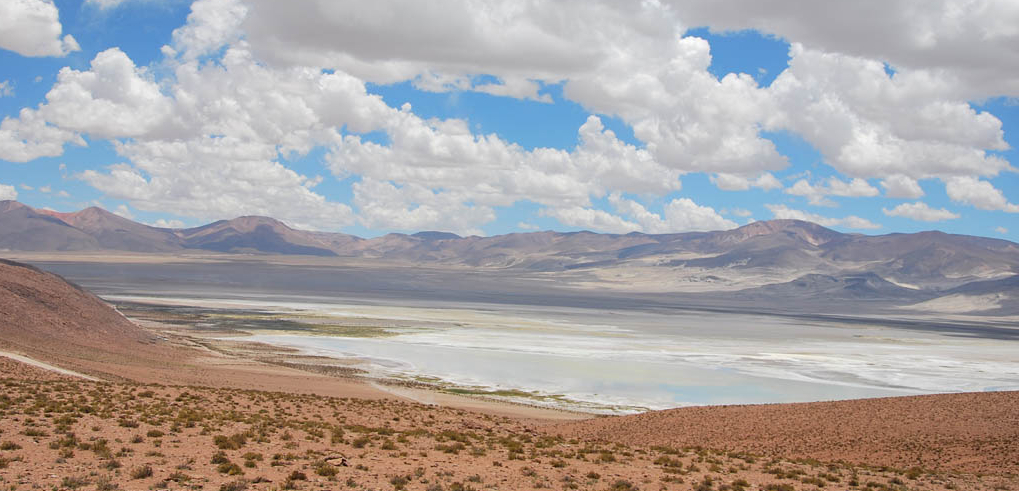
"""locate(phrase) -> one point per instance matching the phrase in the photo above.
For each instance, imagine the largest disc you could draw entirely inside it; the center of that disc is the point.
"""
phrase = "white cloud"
(32, 28)
(740, 212)
(620, 60)
(164, 223)
(415, 207)
(26, 187)
(124, 211)
(489, 171)
(970, 42)
(852, 221)
(1001, 230)
(817, 194)
(211, 25)
(591, 219)
(208, 139)
(63, 194)
(518, 88)
(6, 88)
(920, 211)
(527, 226)
(29, 137)
(45, 189)
(869, 124)
(733, 182)
(113, 99)
(900, 186)
(679, 215)
(104, 4)
(213, 178)
(978, 193)
(8, 192)
(632, 63)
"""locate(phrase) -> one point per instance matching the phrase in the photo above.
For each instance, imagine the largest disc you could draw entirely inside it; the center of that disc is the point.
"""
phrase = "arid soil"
(973, 432)
(64, 433)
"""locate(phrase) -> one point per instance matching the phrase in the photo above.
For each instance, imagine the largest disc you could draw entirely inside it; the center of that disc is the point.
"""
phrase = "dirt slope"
(973, 432)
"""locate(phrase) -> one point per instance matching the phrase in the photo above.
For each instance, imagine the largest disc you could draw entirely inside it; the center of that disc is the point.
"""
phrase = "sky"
(483, 117)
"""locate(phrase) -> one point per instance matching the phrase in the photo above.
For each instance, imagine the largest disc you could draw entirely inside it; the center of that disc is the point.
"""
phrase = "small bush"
(325, 469)
(230, 469)
(142, 472)
(232, 442)
(74, 482)
(238, 485)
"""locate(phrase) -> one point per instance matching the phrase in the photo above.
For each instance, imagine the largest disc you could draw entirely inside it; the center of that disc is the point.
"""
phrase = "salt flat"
(509, 337)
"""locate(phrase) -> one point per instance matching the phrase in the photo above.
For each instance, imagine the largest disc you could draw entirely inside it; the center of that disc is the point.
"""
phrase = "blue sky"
(177, 114)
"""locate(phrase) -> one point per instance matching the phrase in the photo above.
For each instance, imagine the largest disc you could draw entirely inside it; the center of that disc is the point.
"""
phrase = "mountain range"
(776, 257)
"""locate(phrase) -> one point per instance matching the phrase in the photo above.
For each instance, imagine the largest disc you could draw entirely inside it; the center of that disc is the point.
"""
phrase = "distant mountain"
(25, 229)
(115, 232)
(255, 234)
(770, 258)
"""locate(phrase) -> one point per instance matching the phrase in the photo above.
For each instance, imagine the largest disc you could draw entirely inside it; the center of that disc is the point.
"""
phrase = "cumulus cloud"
(679, 215)
(733, 182)
(978, 193)
(620, 60)
(900, 186)
(123, 211)
(1001, 230)
(867, 123)
(32, 28)
(488, 171)
(112, 99)
(29, 137)
(164, 223)
(935, 35)
(383, 205)
(8, 192)
(253, 83)
(818, 194)
(6, 88)
(920, 211)
(851, 221)
(105, 4)
(211, 25)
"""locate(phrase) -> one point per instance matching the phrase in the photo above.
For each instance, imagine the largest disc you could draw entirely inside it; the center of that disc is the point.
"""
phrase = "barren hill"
(42, 313)
(973, 432)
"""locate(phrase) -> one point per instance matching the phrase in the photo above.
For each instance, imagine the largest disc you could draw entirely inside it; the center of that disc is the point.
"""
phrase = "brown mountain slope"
(40, 311)
(23, 228)
(118, 233)
(973, 432)
(45, 318)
